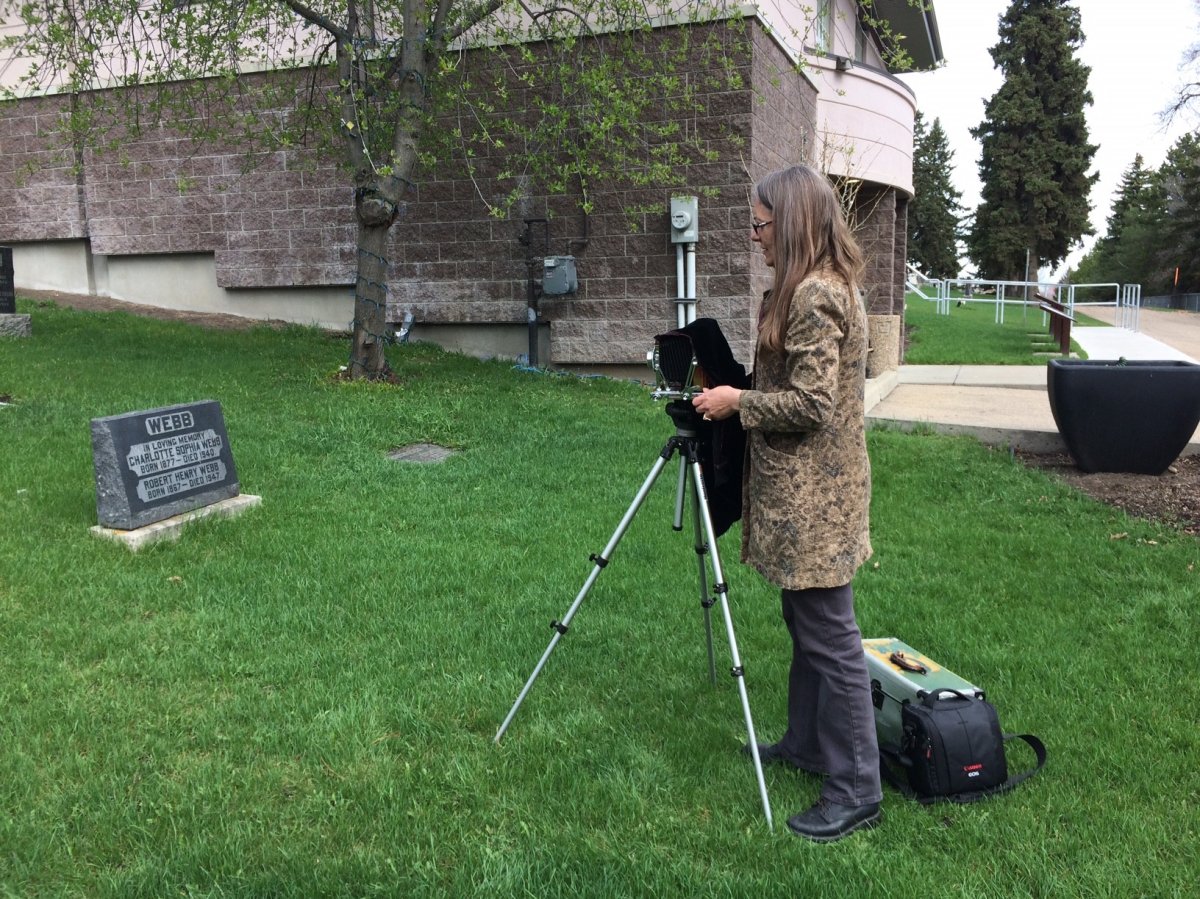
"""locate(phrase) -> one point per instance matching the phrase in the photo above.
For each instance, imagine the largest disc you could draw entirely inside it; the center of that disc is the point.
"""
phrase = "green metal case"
(900, 674)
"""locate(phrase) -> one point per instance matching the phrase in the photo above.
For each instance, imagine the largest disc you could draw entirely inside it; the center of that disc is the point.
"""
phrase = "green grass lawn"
(301, 702)
(970, 335)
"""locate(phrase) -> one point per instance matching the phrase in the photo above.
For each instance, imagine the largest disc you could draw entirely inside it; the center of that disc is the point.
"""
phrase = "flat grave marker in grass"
(421, 452)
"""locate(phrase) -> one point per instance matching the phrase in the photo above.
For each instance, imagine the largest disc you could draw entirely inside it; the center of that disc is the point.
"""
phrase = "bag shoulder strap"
(889, 755)
(1039, 750)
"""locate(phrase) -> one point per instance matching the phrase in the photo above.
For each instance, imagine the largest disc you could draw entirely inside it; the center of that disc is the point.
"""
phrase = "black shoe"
(769, 753)
(828, 821)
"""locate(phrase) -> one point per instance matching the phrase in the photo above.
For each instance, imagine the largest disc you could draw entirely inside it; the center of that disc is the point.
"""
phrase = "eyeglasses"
(758, 226)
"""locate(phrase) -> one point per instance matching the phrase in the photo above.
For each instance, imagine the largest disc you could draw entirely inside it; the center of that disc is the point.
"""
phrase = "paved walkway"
(1006, 405)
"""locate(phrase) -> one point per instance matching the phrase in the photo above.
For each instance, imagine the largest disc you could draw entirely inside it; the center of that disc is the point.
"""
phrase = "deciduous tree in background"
(1035, 152)
(567, 93)
(1187, 100)
(935, 213)
(386, 88)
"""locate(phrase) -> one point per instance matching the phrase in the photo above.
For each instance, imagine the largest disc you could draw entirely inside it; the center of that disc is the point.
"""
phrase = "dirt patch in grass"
(216, 320)
(1172, 498)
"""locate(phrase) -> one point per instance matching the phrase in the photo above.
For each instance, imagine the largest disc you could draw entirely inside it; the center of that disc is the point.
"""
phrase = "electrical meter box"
(558, 276)
(685, 219)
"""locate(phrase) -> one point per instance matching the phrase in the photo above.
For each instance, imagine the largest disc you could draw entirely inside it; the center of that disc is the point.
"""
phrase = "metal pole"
(706, 601)
(677, 521)
(691, 284)
(737, 671)
(680, 288)
(533, 335)
(1026, 295)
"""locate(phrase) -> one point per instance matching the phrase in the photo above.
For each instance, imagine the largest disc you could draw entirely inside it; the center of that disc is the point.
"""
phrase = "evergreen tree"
(1128, 252)
(1034, 138)
(1179, 178)
(1133, 197)
(935, 213)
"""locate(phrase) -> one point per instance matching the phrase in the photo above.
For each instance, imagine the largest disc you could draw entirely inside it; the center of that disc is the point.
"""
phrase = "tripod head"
(688, 422)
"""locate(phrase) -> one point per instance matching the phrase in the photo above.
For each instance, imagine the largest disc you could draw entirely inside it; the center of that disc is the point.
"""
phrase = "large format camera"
(677, 372)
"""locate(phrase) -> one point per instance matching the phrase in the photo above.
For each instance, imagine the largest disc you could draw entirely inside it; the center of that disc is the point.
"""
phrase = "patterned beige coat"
(807, 482)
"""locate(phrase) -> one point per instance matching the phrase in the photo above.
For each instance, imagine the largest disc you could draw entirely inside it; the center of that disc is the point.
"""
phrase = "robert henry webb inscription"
(153, 464)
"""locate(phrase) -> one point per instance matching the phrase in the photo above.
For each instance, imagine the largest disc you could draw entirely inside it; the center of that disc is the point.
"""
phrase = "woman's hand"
(717, 403)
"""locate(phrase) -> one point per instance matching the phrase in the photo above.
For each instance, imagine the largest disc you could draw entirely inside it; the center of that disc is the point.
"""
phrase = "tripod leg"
(560, 627)
(722, 589)
(677, 522)
(706, 601)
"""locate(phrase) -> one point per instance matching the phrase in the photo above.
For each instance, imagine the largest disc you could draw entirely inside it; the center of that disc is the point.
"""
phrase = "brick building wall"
(453, 263)
(284, 222)
(784, 110)
(288, 222)
(876, 218)
(900, 259)
(40, 187)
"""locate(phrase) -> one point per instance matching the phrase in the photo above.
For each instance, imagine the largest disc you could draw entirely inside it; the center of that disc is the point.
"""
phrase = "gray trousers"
(831, 721)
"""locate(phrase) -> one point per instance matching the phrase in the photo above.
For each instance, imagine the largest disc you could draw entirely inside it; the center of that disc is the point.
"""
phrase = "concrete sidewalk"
(1007, 405)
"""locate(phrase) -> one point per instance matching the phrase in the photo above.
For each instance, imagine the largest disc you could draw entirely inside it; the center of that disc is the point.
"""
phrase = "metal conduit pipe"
(685, 232)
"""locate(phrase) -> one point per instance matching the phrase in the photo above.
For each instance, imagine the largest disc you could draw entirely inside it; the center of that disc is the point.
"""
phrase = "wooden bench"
(1060, 323)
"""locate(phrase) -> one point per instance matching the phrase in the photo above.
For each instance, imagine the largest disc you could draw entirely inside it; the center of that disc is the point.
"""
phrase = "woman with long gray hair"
(808, 488)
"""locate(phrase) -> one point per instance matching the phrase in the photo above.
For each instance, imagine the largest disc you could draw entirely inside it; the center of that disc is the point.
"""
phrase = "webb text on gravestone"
(157, 463)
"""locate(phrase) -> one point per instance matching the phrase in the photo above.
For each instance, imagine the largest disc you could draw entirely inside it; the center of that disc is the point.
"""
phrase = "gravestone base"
(14, 325)
(171, 528)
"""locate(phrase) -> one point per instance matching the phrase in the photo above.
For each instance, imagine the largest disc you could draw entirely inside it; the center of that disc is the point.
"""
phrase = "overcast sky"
(1134, 51)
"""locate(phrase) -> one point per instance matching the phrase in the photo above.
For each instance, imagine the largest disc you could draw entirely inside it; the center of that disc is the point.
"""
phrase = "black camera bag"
(953, 750)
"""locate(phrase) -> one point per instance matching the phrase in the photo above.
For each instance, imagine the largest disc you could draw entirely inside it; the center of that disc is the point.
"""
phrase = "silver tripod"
(685, 442)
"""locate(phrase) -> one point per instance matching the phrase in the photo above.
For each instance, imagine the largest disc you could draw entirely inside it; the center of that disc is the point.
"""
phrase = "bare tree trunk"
(376, 202)
(367, 359)
(378, 196)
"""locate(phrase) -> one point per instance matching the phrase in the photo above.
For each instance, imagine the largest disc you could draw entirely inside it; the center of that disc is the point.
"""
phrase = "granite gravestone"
(8, 287)
(11, 324)
(157, 463)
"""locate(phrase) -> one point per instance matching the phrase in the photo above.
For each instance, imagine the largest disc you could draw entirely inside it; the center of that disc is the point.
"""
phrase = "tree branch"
(1188, 94)
(313, 17)
(472, 18)
(440, 15)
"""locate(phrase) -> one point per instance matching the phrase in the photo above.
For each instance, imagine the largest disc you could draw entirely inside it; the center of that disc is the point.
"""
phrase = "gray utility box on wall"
(558, 276)
(685, 219)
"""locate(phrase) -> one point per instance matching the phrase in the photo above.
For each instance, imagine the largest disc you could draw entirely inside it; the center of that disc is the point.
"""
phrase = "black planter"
(1124, 416)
